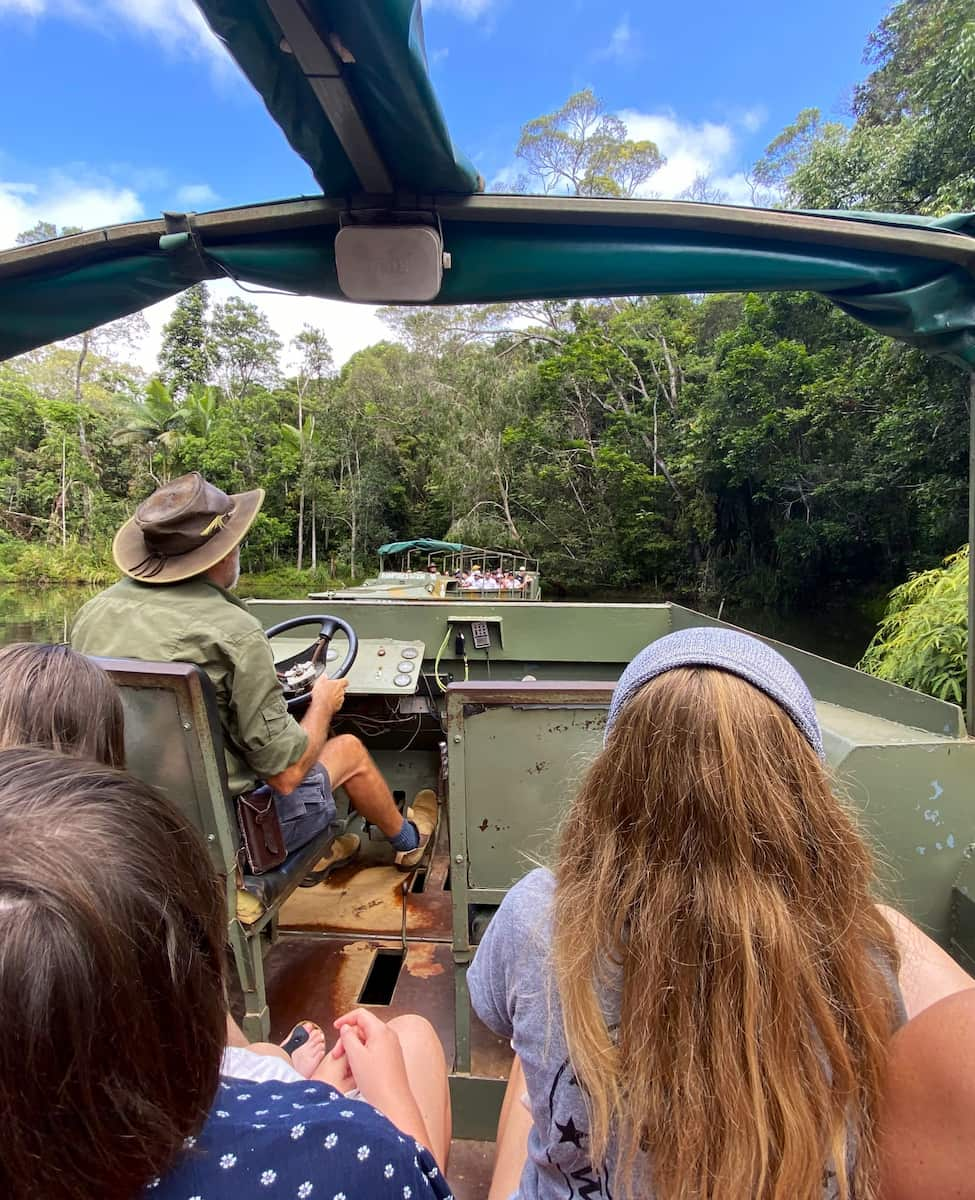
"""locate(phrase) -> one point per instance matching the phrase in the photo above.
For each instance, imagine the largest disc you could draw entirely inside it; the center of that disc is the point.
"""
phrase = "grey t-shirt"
(512, 992)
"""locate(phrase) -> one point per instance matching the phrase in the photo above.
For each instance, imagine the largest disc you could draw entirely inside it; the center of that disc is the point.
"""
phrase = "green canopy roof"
(347, 83)
(428, 544)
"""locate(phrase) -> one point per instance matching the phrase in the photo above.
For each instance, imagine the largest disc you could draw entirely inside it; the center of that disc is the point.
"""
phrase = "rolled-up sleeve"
(266, 734)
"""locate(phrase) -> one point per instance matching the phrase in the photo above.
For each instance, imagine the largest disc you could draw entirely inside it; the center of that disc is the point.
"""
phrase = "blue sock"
(408, 838)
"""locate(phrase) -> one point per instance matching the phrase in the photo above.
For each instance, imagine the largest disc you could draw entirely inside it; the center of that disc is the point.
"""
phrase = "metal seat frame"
(187, 764)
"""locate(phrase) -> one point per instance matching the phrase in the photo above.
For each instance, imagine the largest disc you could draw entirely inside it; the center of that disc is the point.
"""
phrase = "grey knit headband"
(727, 650)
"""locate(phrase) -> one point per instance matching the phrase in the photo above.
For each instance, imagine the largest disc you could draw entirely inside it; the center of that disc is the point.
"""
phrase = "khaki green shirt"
(198, 622)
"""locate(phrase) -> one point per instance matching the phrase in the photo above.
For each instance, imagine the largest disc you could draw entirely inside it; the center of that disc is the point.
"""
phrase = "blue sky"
(117, 109)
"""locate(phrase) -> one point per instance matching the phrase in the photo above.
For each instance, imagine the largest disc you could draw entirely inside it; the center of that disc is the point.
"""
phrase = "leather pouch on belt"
(263, 840)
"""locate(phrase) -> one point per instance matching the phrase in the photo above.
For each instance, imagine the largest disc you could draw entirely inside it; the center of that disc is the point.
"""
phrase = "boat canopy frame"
(348, 84)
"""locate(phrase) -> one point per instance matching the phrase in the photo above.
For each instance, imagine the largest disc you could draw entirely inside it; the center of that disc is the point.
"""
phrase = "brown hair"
(708, 870)
(112, 1010)
(50, 695)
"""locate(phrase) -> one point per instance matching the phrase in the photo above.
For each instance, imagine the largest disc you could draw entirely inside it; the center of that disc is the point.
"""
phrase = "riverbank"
(26, 565)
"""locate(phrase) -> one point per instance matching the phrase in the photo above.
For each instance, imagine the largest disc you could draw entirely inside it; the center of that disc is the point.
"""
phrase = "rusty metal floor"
(325, 962)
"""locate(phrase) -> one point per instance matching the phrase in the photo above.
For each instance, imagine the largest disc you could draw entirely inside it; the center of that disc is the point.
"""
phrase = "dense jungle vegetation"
(760, 447)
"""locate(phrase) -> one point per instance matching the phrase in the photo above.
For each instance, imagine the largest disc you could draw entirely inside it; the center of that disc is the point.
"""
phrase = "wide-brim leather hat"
(183, 529)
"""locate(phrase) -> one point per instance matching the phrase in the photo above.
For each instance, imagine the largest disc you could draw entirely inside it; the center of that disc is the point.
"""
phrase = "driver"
(180, 555)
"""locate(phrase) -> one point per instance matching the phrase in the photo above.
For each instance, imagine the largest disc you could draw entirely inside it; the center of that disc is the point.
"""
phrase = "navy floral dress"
(298, 1141)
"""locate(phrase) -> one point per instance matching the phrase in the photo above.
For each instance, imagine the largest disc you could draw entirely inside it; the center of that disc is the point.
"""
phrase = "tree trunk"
(64, 491)
(314, 537)
(301, 526)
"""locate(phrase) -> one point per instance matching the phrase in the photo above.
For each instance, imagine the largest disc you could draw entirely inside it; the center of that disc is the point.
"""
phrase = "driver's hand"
(330, 692)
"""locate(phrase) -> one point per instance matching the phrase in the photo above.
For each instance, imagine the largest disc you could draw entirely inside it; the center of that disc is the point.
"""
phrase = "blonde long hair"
(707, 870)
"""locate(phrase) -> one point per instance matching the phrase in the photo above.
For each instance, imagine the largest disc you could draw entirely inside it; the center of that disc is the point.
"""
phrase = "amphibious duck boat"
(427, 569)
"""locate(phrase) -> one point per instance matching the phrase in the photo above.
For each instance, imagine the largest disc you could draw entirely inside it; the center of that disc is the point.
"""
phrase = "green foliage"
(910, 147)
(922, 641)
(25, 564)
(185, 354)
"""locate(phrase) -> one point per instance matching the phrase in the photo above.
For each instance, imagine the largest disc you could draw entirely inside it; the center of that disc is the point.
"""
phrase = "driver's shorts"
(309, 809)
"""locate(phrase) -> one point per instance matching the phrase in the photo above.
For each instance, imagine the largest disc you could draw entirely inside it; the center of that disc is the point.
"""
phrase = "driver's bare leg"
(350, 765)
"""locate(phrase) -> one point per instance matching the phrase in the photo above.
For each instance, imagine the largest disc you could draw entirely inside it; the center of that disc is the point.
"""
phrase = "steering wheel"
(328, 627)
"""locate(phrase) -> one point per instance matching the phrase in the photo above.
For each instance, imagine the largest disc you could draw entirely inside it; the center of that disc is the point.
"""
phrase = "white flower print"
(259, 1126)
(262, 1112)
(388, 1170)
(154, 1182)
(295, 1104)
(189, 1143)
(432, 1173)
(330, 1141)
(305, 1190)
(222, 1113)
(339, 1196)
(296, 1132)
(309, 1091)
(244, 1096)
(345, 1113)
(362, 1153)
(268, 1177)
(275, 1096)
(333, 1095)
(407, 1193)
(228, 1160)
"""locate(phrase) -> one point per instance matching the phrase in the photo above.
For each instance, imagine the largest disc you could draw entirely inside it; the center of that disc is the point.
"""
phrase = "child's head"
(50, 695)
(112, 929)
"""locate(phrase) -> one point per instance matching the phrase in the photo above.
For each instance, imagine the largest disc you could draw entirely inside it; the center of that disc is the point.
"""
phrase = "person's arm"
(375, 1060)
(927, 1125)
(327, 697)
(927, 973)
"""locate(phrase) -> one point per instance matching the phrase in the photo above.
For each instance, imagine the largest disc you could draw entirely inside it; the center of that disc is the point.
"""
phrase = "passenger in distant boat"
(432, 570)
(490, 583)
(112, 993)
(509, 582)
(54, 698)
(701, 995)
(181, 557)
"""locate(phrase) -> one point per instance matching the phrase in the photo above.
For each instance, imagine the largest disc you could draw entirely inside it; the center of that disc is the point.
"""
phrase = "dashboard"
(383, 666)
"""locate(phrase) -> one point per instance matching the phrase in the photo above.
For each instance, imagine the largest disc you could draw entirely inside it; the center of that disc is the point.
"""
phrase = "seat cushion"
(274, 886)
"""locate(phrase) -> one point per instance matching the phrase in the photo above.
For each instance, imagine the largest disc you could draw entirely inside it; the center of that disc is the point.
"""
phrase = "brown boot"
(423, 813)
(341, 852)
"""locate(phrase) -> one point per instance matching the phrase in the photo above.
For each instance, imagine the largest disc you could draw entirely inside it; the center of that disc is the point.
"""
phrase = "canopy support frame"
(970, 653)
(324, 74)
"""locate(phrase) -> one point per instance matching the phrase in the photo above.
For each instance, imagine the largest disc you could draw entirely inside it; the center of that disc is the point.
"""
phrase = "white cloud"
(692, 150)
(752, 119)
(177, 25)
(470, 10)
(64, 199)
(438, 56)
(79, 196)
(197, 195)
(622, 42)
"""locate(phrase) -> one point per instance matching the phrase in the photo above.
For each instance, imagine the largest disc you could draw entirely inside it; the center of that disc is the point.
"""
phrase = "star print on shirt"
(570, 1133)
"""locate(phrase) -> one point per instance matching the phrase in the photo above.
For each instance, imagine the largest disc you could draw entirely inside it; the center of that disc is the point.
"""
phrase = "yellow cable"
(436, 661)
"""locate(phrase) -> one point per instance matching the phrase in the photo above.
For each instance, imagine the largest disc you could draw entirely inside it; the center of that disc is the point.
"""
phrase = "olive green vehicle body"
(505, 748)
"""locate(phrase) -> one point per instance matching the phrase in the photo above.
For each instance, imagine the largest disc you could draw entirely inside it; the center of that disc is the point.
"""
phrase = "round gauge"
(408, 652)
(331, 655)
(405, 667)
(403, 680)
